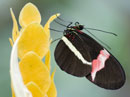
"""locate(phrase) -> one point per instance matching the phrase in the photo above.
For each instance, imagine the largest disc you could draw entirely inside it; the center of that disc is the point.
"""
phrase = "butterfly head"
(79, 26)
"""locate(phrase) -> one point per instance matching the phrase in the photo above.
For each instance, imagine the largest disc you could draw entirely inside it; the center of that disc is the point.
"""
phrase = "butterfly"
(80, 55)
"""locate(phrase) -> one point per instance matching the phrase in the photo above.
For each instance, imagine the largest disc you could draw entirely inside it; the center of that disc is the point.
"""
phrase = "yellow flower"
(30, 77)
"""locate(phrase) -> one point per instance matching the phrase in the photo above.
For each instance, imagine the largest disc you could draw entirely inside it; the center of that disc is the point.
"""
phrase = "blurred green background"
(109, 15)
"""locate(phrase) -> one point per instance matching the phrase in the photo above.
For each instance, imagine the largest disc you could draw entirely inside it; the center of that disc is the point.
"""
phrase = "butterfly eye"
(81, 27)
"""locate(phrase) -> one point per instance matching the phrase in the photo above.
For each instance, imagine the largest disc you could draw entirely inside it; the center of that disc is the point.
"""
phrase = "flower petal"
(11, 41)
(29, 14)
(33, 69)
(52, 92)
(47, 60)
(15, 32)
(33, 38)
(20, 89)
(35, 90)
(47, 25)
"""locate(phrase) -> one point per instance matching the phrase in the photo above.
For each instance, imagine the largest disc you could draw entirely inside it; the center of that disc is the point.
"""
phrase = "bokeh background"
(110, 15)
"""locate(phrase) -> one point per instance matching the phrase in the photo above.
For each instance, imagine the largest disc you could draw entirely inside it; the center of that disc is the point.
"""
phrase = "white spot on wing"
(75, 51)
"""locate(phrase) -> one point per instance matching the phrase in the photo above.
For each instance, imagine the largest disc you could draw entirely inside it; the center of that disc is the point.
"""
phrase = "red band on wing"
(99, 63)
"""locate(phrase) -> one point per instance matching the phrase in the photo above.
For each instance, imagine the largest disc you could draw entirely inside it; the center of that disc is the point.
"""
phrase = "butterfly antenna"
(60, 23)
(62, 19)
(55, 40)
(98, 39)
(102, 31)
(56, 30)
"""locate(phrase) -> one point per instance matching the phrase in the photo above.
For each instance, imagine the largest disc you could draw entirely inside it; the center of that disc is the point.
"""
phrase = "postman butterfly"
(80, 55)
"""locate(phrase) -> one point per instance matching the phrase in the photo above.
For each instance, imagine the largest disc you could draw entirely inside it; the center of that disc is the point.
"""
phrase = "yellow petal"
(33, 38)
(13, 95)
(29, 14)
(47, 60)
(35, 90)
(17, 83)
(46, 95)
(11, 41)
(52, 92)
(15, 27)
(33, 69)
(47, 25)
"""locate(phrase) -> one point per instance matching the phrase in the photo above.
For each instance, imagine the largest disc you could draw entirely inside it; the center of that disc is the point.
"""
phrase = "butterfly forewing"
(110, 77)
(68, 61)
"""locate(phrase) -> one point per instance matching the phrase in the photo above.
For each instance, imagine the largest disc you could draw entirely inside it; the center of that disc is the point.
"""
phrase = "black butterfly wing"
(110, 77)
(68, 61)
